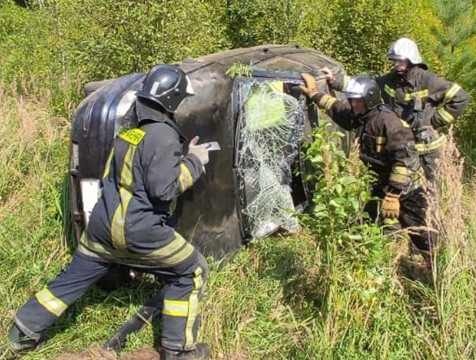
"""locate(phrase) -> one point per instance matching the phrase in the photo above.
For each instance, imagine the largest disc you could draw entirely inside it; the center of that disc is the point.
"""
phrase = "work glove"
(390, 206)
(200, 151)
(310, 88)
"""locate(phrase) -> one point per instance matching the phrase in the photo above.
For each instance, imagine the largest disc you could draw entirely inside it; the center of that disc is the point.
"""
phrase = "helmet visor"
(354, 90)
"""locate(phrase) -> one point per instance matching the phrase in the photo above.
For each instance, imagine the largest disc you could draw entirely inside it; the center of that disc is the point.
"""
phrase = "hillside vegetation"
(339, 290)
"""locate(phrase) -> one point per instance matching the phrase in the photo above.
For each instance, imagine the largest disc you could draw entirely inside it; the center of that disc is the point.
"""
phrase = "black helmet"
(363, 86)
(166, 86)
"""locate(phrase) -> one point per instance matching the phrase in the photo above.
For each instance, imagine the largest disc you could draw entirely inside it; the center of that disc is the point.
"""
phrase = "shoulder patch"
(404, 123)
(132, 136)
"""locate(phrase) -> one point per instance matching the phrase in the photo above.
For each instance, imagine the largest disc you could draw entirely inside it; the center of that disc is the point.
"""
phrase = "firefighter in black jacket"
(145, 172)
(424, 100)
(387, 147)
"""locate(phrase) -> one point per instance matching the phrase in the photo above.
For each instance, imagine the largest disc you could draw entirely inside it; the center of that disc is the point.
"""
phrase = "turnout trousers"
(179, 302)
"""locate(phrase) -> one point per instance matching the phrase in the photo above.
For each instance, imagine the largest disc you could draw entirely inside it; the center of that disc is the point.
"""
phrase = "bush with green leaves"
(360, 303)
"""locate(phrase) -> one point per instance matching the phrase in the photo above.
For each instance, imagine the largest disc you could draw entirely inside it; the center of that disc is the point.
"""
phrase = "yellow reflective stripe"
(399, 178)
(91, 247)
(175, 308)
(400, 175)
(173, 205)
(445, 115)
(119, 220)
(180, 256)
(380, 140)
(388, 221)
(51, 302)
(198, 280)
(450, 94)
(389, 90)
(85, 251)
(380, 143)
(327, 101)
(198, 271)
(435, 144)
(194, 308)
(108, 164)
(125, 195)
(127, 168)
(185, 177)
(418, 178)
(401, 170)
(164, 255)
(177, 243)
(405, 124)
(421, 94)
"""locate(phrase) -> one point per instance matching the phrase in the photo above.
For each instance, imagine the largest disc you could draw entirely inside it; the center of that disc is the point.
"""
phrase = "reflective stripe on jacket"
(146, 171)
(442, 101)
(386, 142)
(423, 99)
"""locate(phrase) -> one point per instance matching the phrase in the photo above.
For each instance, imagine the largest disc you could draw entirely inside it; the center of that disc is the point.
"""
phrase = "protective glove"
(390, 206)
(200, 151)
(310, 88)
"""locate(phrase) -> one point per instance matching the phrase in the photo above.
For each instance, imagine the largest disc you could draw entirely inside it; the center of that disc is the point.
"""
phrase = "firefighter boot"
(20, 342)
(202, 352)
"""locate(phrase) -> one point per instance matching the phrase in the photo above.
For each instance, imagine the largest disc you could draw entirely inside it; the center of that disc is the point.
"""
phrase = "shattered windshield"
(271, 129)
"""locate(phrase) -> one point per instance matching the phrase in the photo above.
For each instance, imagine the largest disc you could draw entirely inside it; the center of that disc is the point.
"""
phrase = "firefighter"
(424, 100)
(387, 147)
(146, 171)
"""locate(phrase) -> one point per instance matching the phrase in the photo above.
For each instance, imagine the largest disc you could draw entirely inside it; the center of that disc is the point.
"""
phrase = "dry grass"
(28, 136)
(300, 298)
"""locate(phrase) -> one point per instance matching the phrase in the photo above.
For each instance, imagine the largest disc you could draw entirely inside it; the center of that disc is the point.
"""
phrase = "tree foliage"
(455, 35)
(96, 39)
(59, 45)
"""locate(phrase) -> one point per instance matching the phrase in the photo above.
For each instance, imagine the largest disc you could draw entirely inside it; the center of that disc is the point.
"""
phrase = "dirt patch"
(231, 357)
(97, 353)
(142, 354)
(94, 353)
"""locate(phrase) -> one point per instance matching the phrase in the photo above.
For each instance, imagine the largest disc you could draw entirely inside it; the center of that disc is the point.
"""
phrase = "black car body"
(211, 214)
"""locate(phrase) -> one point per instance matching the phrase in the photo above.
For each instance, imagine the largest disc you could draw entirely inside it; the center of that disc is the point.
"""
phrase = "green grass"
(296, 297)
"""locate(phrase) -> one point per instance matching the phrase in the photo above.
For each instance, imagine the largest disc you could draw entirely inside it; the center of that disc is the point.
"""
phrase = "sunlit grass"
(292, 297)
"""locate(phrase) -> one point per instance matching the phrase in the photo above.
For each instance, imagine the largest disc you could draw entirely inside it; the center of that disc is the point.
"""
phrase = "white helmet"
(405, 49)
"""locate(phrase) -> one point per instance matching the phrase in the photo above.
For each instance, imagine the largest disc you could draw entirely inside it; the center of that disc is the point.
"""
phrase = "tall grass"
(349, 293)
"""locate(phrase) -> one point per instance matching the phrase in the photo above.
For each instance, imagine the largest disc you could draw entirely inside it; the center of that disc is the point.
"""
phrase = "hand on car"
(329, 76)
(310, 88)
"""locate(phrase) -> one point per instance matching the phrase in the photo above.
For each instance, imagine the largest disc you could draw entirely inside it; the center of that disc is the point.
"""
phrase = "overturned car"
(249, 102)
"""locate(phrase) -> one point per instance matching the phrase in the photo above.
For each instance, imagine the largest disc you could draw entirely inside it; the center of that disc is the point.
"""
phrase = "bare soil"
(97, 353)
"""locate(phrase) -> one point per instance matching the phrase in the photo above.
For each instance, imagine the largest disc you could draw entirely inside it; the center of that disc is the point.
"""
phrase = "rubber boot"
(20, 342)
(202, 352)
(140, 320)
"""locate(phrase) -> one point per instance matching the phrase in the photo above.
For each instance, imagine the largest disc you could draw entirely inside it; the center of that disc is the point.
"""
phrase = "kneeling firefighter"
(145, 172)
(387, 147)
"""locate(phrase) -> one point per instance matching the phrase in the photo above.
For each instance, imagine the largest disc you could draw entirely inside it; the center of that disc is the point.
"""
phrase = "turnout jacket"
(424, 100)
(145, 172)
(386, 143)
